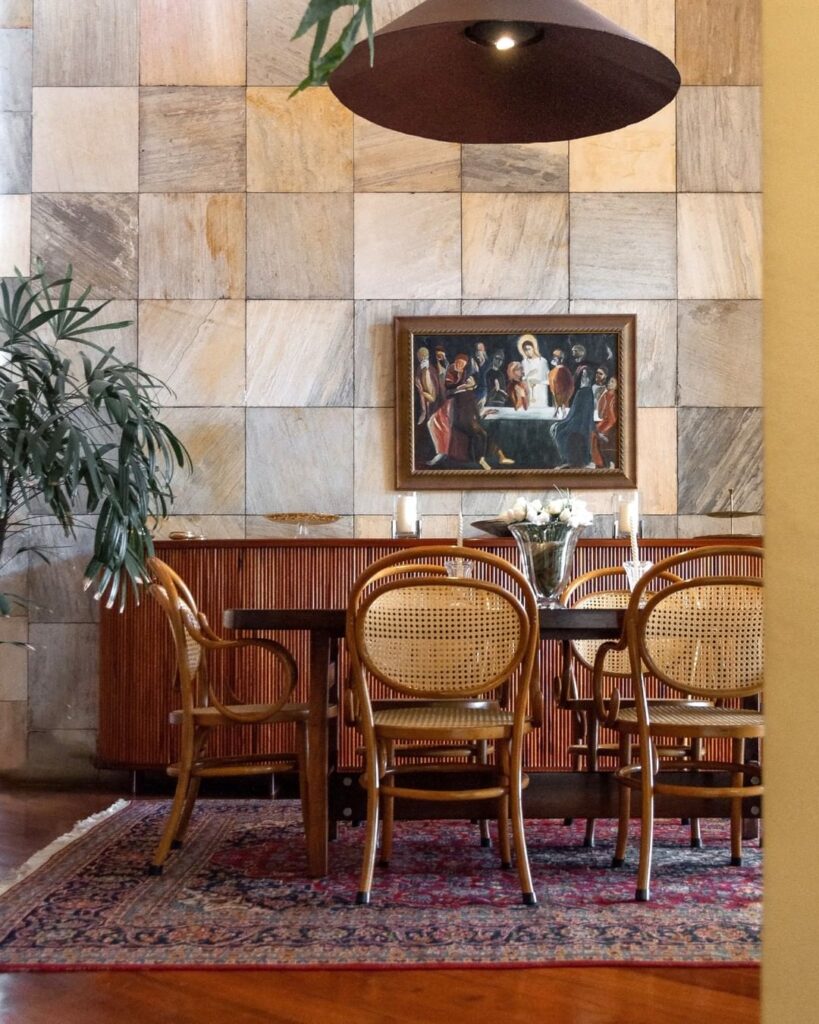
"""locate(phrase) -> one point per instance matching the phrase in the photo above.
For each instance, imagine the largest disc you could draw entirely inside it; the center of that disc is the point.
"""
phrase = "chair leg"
(737, 780)
(303, 759)
(200, 739)
(387, 753)
(592, 741)
(643, 892)
(483, 824)
(371, 838)
(502, 754)
(624, 807)
(696, 832)
(172, 824)
(518, 833)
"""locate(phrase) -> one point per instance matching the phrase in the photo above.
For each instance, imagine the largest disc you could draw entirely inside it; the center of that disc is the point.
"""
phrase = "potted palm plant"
(80, 433)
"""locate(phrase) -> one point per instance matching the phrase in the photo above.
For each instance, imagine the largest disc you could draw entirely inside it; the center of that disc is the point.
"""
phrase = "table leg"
(318, 763)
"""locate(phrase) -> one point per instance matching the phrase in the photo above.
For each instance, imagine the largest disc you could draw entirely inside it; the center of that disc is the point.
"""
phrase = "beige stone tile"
(56, 588)
(720, 246)
(15, 232)
(192, 42)
(96, 233)
(300, 246)
(376, 527)
(192, 246)
(13, 734)
(719, 449)
(638, 158)
(273, 56)
(407, 246)
(15, 69)
(719, 143)
(656, 345)
(375, 470)
(623, 246)
(85, 140)
(501, 234)
(388, 161)
(15, 153)
(300, 353)
(298, 144)
(375, 345)
(215, 439)
(720, 353)
(15, 13)
(196, 347)
(15, 574)
(85, 42)
(300, 460)
(657, 460)
(62, 755)
(210, 527)
(13, 660)
(650, 20)
(718, 43)
(62, 675)
(192, 140)
(258, 526)
(122, 340)
(514, 307)
(519, 167)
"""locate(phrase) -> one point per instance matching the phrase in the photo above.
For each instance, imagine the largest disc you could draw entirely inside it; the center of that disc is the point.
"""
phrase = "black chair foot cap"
(736, 862)
(685, 821)
(506, 865)
(383, 863)
(176, 844)
(486, 842)
(154, 869)
(529, 899)
(641, 895)
(362, 899)
(696, 844)
(588, 843)
(568, 821)
(618, 862)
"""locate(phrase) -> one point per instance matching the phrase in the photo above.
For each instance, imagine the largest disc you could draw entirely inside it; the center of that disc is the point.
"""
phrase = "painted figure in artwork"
(604, 439)
(535, 369)
(468, 440)
(561, 383)
(573, 435)
(517, 388)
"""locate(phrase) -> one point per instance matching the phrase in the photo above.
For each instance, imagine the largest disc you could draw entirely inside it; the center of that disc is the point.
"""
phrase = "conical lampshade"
(505, 71)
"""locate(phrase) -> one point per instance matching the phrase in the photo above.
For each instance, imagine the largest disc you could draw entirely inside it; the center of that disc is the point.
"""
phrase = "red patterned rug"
(237, 897)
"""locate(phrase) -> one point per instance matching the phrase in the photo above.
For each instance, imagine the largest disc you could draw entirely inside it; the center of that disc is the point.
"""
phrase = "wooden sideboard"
(136, 655)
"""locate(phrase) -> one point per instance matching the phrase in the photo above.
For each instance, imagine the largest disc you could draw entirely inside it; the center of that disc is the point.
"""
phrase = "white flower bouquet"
(560, 508)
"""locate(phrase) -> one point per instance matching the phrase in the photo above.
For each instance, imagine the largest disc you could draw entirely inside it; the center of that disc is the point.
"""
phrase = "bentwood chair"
(203, 710)
(701, 637)
(445, 646)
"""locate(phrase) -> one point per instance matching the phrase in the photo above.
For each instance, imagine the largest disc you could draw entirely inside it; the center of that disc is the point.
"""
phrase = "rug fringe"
(36, 860)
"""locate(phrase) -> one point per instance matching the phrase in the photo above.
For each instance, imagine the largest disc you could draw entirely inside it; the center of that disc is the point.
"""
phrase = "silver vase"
(547, 553)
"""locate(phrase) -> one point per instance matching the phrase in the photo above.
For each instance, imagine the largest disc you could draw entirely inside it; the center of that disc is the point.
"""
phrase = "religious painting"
(515, 402)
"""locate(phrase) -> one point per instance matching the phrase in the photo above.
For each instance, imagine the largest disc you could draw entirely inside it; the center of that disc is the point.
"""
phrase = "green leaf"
(319, 13)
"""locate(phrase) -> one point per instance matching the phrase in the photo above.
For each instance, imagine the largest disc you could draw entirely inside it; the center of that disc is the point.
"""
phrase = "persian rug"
(237, 896)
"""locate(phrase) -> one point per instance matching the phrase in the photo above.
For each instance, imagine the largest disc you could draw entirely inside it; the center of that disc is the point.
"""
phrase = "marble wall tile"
(719, 139)
(718, 449)
(85, 140)
(300, 246)
(210, 527)
(192, 246)
(215, 439)
(15, 70)
(258, 526)
(522, 167)
(388, 161)
(375, 470)
(719, 239)
(15, 573)
(62, 675)
(15, 234)
(657, 460)
(192, 42)
(656, 345)
(719, 43)
(192, 140)
(623, 246)
(96, 233)
(86, 42)
(705, 526)
(375, 345)
(660, 526)
(407, 246)
(720, 353)
(300, 353)
(650, 20)
(638, 158)
(386, 11)
(56, 588)
(282, 443)
(514, 307)
(64, 754)
(15, 153)
(13, 660)
(15, 13)
(13, 733)
(196, 347)
(122, 340)
(298, 144)
(273, 56)
(501, 234)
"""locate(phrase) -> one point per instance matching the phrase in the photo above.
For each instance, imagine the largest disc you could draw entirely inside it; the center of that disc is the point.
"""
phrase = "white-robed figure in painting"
(535, 369)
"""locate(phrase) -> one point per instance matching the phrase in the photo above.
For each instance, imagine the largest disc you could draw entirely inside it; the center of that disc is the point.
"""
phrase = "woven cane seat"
(439, 718)
(214, 716)
(681, 719)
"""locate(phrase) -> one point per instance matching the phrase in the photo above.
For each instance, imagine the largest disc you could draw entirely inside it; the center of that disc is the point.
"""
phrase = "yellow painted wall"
(791, 356)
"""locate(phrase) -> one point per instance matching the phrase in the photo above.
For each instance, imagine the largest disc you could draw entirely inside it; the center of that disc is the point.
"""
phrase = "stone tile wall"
(262, 246)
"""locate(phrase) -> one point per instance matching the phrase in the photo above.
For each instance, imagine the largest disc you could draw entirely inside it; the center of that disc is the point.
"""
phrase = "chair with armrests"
(203, 710)
(445, 646)
(602, 588)
(701, 637)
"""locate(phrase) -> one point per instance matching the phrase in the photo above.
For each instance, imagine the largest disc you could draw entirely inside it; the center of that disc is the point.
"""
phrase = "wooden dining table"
(325, 628)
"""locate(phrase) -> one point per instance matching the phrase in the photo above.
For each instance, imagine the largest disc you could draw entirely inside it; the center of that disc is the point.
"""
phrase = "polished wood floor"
(30, 818)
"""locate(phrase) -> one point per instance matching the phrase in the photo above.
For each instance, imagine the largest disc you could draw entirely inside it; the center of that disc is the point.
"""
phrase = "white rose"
(565, 516)
(554, 508)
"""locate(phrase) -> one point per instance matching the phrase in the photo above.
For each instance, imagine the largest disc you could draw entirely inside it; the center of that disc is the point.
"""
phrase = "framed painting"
(515, 402)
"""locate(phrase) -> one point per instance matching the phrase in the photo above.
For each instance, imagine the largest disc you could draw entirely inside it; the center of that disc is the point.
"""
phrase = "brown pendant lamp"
(505, 71)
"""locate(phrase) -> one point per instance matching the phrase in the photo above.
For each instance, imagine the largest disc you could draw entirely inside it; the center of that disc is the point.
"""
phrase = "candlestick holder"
(405, 521)
(397, 534)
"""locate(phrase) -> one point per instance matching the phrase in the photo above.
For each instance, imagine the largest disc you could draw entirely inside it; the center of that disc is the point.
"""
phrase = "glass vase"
(547, 553)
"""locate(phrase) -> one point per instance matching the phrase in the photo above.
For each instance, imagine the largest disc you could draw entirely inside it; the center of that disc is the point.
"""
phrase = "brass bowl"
(302, 518)
(185, 535)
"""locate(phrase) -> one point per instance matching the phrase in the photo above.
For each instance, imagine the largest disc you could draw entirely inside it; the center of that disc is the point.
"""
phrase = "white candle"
(627, 516)
(406, 513)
